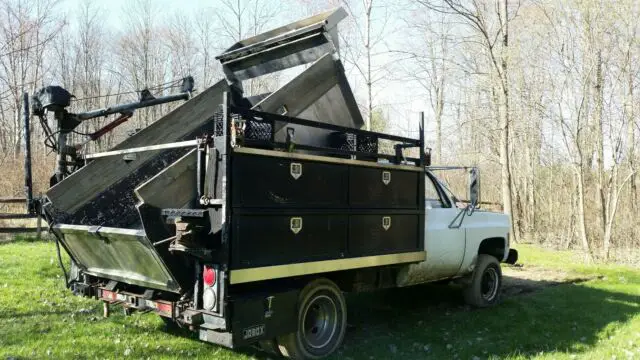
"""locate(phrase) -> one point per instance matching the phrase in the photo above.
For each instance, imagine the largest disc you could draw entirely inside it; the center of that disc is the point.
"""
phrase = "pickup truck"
(245, 220)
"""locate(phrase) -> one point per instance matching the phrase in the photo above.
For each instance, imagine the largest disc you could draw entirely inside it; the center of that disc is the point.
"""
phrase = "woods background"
(541, 94)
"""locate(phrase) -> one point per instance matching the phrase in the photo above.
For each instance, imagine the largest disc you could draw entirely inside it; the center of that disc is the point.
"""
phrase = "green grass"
(597, 319)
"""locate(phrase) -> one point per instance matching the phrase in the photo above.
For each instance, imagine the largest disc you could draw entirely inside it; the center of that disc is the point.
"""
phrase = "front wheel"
(322, 322)
(486, 282)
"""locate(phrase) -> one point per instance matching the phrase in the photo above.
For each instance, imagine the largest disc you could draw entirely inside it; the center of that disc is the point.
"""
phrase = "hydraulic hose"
(60, 263)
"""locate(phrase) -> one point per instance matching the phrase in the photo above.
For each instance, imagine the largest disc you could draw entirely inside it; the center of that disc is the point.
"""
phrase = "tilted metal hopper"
(298, 43)
(108, 212)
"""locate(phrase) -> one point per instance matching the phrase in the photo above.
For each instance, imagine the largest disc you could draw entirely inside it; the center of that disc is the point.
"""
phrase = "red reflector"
(164, 308)
(209, 276)
(109, 295)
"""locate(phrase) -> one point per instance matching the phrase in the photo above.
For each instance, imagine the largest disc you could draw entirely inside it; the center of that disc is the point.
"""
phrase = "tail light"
(210, 290)
(209, 276)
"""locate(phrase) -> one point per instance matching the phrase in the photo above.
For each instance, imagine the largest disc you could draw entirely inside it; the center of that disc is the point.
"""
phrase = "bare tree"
(181, 45)
(240, 19)
(26, 29)
(429, 63)
(143, 60)
(364, 49)
(208, 45)
(490, 23)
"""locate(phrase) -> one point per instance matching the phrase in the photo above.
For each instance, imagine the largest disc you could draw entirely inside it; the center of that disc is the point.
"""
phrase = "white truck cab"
(461, 241)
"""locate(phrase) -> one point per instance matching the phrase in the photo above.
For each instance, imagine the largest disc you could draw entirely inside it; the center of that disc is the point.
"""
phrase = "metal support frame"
(272, 119)
(30, 204)
(28, 181)
(61, 157)
(424, 160)
(174, 145)
(67, 122)
(201, 166)
(132, 106)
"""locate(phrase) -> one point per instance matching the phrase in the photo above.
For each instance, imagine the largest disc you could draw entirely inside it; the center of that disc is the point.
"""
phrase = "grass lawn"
(594, 319)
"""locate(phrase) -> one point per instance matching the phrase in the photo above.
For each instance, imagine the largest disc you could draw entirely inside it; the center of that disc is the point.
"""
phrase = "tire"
(322, 322)
(486, 282)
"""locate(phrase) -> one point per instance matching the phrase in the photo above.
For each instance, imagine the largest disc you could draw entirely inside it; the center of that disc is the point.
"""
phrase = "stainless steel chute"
(298, 43)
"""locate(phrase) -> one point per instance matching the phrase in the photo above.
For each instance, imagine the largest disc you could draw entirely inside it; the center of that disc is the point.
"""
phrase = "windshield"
(448, 180)
(448, 191)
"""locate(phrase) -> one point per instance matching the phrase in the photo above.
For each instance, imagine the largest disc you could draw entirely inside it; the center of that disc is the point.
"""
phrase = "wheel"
(322, 322)
(486, 281)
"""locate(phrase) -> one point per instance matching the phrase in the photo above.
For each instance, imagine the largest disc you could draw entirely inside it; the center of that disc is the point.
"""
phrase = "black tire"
(322, 322)
(486, 283)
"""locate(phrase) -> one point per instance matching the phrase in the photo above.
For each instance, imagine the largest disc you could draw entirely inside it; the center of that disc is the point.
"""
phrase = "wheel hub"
(320, 322)
(489, 284)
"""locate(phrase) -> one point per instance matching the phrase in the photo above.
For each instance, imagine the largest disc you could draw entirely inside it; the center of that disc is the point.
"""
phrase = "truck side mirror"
(474, 187)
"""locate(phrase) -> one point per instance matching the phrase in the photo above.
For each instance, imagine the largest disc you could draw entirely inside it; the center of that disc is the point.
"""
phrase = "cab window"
(432, 197)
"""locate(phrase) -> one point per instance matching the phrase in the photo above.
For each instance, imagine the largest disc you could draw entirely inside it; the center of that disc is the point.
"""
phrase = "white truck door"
(445, 245)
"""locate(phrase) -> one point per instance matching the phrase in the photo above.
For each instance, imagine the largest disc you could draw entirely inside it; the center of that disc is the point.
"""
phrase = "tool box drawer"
(382, 188)
(383, 234)
(271, 182)
(265, 240)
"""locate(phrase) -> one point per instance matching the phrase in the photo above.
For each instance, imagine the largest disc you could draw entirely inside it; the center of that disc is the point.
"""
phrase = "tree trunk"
(582, 226)
(612, 204)
(631, 152)
(503, 110)
(599, 134)
(439, 111)
(505, 171)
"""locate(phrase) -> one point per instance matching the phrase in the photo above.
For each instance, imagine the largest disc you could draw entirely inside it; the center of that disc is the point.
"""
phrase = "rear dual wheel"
(322, 322)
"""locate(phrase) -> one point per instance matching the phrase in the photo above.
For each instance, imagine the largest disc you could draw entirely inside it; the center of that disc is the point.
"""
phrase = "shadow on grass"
(35, 314)
(432, 321)
(22, 238)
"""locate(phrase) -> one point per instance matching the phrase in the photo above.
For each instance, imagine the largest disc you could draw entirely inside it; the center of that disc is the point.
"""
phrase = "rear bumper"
(137, 302)
(257, 316)
(217, 337)
(512, 257)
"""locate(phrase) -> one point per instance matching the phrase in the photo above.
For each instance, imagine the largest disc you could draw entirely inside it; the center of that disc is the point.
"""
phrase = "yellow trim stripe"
(325, 159)
(316, 267)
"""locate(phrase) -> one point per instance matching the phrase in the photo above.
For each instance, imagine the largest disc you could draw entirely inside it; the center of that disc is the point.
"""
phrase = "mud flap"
(512, 258)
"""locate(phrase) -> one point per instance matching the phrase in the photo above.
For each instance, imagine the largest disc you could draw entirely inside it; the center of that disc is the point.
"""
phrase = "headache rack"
(256, 129)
